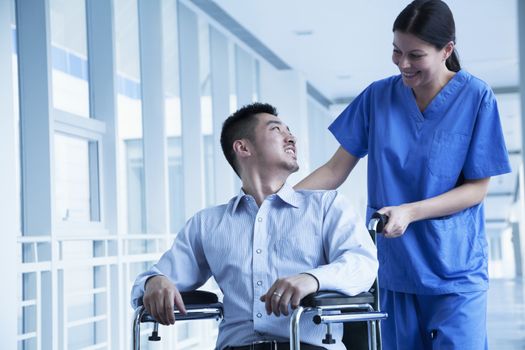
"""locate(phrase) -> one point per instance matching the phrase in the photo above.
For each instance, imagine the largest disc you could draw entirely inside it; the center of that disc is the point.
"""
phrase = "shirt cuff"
(316, 279)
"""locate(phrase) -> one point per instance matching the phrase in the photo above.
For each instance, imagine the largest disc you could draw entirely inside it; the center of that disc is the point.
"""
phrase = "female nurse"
(433, 139)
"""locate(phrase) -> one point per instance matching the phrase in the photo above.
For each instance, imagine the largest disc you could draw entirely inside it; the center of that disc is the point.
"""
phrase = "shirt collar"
(286, 193)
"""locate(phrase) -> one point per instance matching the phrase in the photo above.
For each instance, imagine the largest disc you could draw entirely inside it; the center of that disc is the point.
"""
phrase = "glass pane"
(206, 112)
(172, 107)
(29, 286)
(99, 249)
(27, 344)
(100, 274)
(28, 253)
(176, 183)
(233, 80)
(135, 185)
(69, 56)
(76, 179)
(29, 317)
(129, 112)
(43, 251)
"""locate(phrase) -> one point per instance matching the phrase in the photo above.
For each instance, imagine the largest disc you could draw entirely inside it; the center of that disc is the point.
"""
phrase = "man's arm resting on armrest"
(159, 297)
(289, 291)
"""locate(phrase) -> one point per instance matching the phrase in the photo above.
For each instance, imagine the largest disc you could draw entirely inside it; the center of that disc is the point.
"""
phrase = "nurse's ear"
(447, 50)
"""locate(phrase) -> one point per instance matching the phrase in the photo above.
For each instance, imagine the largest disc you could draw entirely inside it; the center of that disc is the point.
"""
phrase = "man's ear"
(242, 148)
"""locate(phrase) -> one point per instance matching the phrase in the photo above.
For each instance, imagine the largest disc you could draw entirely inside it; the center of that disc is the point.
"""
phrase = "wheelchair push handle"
(378, 222)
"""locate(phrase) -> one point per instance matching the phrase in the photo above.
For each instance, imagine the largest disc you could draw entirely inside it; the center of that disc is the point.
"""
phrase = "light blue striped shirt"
(246, 248)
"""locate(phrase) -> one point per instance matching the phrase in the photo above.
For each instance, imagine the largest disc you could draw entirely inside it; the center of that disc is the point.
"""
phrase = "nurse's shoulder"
(477, 89)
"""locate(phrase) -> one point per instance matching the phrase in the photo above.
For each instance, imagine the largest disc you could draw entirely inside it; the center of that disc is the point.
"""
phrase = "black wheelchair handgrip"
(383, 220)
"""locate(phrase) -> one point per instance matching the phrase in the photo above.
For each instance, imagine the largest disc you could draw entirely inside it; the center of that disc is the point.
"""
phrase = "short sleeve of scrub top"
(414, 155)
(487, 155)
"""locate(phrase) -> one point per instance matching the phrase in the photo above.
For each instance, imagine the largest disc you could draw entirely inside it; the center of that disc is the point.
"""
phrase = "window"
(69, 56)
(76, 179)
(206, 112)
(173, 114)
(129, 114)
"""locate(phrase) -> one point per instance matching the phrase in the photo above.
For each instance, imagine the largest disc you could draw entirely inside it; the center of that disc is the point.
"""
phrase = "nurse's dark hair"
(241, 125)
(431, 21)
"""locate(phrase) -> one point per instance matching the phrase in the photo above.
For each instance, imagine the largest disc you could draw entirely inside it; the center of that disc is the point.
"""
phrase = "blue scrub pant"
(447, 321)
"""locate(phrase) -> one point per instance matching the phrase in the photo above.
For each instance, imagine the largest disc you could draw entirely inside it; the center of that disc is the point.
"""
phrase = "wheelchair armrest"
(329, 298)
(196, 298)
(198, 303)
(199, 297)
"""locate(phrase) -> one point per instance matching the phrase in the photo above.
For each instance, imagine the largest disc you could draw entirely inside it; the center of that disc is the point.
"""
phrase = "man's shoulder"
(215, 210)
(322, 196)
(333, 201)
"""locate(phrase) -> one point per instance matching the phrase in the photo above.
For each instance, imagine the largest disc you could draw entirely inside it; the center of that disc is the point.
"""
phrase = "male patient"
(267, 248)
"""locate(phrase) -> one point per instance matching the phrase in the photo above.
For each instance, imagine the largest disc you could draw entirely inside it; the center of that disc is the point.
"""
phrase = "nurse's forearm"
(332, 174)
(472, 192)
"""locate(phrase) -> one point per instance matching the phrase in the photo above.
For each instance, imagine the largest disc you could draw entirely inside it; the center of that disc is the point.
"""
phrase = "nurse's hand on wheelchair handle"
(159, 297)
(399, 217)
(288, 291)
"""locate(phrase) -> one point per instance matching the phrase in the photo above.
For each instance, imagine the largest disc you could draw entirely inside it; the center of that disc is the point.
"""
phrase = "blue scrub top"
(414, 155)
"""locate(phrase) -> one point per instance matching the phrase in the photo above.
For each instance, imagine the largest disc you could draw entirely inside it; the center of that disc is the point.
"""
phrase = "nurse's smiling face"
(420, 63)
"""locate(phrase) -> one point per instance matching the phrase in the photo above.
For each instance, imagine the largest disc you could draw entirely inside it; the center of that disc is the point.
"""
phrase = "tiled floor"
(506, 315)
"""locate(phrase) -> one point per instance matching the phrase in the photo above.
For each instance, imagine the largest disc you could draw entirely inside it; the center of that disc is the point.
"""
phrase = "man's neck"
(260, 187)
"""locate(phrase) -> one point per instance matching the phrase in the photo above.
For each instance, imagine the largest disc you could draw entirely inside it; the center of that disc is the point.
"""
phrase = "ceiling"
(350, 43)
(341, 46)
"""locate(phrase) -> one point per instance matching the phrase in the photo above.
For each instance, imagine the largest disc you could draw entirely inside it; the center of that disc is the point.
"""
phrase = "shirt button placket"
(259, 242)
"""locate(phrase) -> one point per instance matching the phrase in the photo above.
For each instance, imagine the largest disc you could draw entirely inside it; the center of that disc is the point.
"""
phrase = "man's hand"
(289, 290)
(159, 296)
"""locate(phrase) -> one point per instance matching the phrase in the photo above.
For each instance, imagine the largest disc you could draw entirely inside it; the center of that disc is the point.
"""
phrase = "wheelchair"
(325, 307)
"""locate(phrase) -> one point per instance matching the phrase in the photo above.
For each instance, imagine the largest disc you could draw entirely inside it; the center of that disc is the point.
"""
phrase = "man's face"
(275, 146)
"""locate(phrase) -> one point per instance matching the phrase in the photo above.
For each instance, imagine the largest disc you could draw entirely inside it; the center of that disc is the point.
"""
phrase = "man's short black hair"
(241, 125)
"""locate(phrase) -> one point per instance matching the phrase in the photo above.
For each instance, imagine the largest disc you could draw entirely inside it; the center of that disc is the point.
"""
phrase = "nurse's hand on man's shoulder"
(399, 217)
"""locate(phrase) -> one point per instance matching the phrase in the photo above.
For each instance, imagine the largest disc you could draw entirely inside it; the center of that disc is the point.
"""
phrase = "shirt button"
(259, 283)
(259, 219)
(258, 251)
(259, 315)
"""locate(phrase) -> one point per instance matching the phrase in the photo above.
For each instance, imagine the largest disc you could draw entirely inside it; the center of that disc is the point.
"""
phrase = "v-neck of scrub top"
(435, 107)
